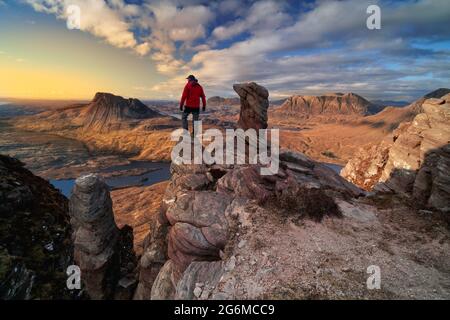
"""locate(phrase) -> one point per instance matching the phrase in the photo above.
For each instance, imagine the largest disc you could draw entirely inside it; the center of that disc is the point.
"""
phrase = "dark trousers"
(195, 115)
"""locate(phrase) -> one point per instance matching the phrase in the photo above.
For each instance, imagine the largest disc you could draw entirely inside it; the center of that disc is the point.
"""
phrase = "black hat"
(191, 77)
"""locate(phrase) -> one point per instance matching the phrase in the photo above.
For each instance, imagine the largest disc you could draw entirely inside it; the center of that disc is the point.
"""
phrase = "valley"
(124, 147)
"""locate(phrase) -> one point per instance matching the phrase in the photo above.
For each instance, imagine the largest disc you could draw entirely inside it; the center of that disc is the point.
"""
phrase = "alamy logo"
(74, 277)
(374, 20)
(252, 147)
(374, 280)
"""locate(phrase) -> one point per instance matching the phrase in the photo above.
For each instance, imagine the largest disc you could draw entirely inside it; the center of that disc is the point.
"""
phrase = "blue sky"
(146, 48)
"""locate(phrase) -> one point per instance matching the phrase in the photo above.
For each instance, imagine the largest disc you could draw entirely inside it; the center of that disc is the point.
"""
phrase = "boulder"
(199, 280)
(102, 251)
(254, 105)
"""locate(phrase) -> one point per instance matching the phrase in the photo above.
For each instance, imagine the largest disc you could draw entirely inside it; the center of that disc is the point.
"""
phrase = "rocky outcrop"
(153, 259)
(254, 105)
(35, 246)
(414, 160)
(108, 112)
(331, 104)
(203, 205)
(201, 216)
(102, 251)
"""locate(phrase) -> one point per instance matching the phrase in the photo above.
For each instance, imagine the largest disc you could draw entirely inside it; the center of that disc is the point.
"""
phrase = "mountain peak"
(438, 93)
(107, 110)
(329, 103)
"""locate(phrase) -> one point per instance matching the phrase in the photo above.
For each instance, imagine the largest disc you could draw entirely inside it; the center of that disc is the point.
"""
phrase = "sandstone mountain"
(329, 104)
(413, 160)
(108, 123)
(35, 245)
(107, 111)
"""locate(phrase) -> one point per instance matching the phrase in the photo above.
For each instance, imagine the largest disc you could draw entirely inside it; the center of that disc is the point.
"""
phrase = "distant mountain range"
(333, 104)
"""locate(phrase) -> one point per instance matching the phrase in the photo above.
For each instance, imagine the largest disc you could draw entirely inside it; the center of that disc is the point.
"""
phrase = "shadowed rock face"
(106, 111)
(254, 105)
(102, 251)
(35, 246)
(347, 104)
(415, 160)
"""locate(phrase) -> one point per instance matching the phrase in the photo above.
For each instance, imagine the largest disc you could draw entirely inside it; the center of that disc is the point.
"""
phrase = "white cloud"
(96, 17)
(168, 24)
(324, 26)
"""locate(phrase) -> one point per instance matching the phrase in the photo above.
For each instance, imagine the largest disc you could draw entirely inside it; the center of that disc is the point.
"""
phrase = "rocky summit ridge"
(331, 104)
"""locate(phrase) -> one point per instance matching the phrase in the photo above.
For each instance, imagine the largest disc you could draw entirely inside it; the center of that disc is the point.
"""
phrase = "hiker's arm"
(183, 97)
(203, 100)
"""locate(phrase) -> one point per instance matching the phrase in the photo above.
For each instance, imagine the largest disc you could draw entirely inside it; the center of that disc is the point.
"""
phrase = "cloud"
(97, 17)
(290, 48)
(143, 48)
(168, 24)
(262, 17)
(346, 55)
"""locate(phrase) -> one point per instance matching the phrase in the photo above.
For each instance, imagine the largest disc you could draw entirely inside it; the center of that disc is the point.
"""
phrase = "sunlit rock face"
(414, 160)
(335, 103)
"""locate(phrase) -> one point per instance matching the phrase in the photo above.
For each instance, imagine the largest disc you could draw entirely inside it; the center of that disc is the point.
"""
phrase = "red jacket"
(191, 95)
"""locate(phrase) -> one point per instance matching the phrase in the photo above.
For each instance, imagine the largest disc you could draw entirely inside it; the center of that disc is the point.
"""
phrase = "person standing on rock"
(190, 102)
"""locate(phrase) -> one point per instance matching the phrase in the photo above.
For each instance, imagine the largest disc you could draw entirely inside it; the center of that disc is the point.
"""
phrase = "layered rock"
(204, 203)
(414, 160)
(102, 251)
(254, 105)
(35, 246)
(332, 104)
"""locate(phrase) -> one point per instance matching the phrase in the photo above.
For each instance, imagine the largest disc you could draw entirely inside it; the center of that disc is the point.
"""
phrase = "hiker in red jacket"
(190, 101)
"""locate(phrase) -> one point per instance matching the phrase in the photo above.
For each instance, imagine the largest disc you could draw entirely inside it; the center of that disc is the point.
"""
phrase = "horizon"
(7, 99)
(144, 49)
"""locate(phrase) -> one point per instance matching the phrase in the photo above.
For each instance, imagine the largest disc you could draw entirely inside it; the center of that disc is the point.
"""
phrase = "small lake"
(160, 171)
(336, 168)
